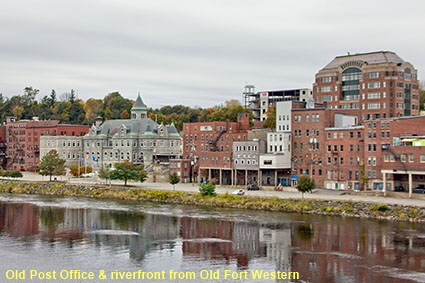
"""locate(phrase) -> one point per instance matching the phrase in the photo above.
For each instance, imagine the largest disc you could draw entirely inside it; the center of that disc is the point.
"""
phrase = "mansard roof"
(140, 126)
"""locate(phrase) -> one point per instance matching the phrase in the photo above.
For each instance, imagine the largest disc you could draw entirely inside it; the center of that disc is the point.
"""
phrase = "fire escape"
(214, 143)
(18, 150)
(396, 157)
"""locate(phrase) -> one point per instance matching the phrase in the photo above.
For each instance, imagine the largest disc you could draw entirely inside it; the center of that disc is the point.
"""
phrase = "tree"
(143, 175)
(174, 179)
(305, 185)
(93, 108)
(270, 121)
(125, 171)
(51, 164)
(207, 189)
(105, 173)
(17, 111)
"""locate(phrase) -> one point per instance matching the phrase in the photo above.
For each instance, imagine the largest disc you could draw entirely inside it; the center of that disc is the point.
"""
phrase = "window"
(422, 158)
(374, 106)
(326, 79)
(373, 75)
(374, 95)
(325, 89)
(373, 85)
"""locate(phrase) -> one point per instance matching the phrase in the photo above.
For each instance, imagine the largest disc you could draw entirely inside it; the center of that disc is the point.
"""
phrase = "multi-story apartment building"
(371, 85)
(209, 147)
(23, 140)
(260, 102)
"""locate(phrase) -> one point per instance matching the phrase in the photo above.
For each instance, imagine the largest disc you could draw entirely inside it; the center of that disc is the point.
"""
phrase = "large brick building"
(339, 153)
(371, 85)
(209, 147)
(23, 140)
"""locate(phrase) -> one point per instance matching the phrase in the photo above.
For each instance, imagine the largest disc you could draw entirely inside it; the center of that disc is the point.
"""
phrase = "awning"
(294, 177)
(408, 140)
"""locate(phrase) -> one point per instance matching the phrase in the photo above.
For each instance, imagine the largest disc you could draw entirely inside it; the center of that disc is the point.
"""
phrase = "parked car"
(252, 187)
(419, 190)
(239, 192)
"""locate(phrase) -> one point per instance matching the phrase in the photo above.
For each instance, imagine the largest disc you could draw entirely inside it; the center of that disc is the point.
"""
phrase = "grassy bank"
(310, 206)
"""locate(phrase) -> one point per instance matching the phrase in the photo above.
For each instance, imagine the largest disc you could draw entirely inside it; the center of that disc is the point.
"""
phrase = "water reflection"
(321, 249)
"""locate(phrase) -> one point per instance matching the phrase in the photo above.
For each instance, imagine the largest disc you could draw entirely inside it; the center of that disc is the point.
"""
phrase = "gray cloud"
(193, 52)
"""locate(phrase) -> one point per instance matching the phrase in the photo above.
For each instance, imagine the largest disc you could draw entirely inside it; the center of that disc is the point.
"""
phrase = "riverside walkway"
(399, 198)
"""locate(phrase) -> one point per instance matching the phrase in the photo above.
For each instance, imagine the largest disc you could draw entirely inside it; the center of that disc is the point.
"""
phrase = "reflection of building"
(337, 245)
(278, 243)
(219, 239)
(20, 220)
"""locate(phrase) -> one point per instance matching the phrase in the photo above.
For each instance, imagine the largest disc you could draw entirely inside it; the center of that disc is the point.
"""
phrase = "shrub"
(379, 207)
(13, 174)
(207, 189)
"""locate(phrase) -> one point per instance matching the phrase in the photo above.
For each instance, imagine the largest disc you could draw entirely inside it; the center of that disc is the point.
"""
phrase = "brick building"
(371, 85)
(209, 147)
(338, 153)
(23, 140)
(182, 167)
(3, 147)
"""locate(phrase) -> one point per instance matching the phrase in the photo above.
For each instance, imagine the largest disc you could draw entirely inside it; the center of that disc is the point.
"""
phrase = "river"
(46, 239)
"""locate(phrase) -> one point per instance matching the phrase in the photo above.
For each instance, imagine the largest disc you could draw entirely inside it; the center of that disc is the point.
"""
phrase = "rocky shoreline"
(307, 206)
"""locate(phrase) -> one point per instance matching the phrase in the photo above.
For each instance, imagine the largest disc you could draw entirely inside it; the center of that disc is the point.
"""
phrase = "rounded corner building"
(372, 85)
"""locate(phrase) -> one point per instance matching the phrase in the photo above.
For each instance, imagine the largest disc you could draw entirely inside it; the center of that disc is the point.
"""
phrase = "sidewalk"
(189, 187)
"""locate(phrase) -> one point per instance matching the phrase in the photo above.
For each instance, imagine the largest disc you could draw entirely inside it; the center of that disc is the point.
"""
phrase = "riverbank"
(308, 206)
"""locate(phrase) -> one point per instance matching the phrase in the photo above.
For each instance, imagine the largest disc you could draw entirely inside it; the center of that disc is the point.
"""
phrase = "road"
(288, 193)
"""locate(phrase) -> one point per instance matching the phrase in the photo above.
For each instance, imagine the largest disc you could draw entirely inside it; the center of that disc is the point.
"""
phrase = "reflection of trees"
(127, 220)
(51, 218)
(305, 232)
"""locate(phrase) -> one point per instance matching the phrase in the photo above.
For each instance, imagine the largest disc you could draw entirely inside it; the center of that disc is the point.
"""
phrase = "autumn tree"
(270, 121)
(93, 108)
(114, 104)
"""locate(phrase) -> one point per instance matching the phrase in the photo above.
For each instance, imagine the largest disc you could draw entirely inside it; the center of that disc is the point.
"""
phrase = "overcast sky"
(194, 52)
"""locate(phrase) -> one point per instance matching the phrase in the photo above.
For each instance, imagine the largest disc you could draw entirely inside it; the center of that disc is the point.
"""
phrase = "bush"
(13, 174)
(379, 207)
(207, 189)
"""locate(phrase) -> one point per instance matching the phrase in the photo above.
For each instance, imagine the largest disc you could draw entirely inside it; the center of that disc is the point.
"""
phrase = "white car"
(238, 192)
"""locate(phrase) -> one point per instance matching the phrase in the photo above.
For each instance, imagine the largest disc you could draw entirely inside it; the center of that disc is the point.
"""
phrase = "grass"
(310, 206)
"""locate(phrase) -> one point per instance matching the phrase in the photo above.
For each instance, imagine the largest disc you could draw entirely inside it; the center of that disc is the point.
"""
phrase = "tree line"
(67, 108)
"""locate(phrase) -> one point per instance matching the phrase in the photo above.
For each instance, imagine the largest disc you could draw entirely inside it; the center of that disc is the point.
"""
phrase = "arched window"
(350, 84)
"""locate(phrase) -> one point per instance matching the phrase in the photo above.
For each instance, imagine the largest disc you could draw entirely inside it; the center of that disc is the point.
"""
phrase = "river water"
(44, 239)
